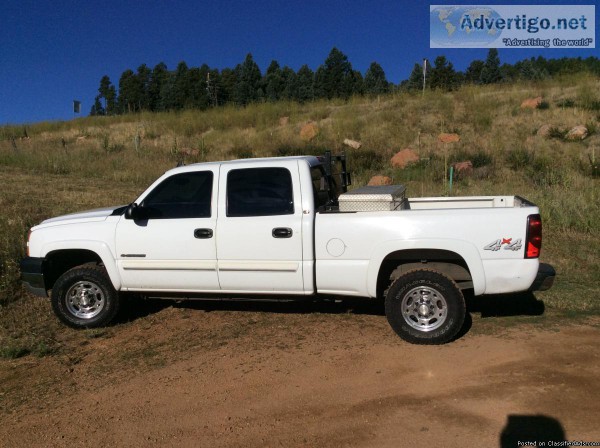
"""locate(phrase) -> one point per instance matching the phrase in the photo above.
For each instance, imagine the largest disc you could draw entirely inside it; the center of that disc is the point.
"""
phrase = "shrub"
(566, 103)
(242, 152)
(519, 158)
(555, 132)
(544, 105)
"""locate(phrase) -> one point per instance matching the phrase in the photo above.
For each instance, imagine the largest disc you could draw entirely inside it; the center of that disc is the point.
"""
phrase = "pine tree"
(158, 78)
(248, 81)
(111, 100)
(357, 83)
(108, 92)
(198, 95)
(320, 89)
(143, 78)
(473, 73)
(289, 80)
(129, 92)
(305, 80)
(227, 82)
(375, 81)
(182, 86)
(415, 80)
(337, 78)
(490, 73)
(97, 108)
(167, 99)
(443, 75)
(274, 82)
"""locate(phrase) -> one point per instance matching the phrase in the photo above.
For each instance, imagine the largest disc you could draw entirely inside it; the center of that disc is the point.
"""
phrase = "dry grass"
(98, 161)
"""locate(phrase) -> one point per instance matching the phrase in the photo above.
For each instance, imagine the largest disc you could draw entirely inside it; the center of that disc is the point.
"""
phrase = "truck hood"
(98, 214)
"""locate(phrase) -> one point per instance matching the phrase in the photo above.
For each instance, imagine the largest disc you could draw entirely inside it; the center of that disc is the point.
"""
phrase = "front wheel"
(84, 297)
(425, 307)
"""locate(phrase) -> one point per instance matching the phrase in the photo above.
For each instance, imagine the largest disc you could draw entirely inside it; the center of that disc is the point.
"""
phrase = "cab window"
(184, 195)
(259, 192)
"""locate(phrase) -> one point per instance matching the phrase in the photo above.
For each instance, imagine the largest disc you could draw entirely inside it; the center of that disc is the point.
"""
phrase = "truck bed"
(433, 203)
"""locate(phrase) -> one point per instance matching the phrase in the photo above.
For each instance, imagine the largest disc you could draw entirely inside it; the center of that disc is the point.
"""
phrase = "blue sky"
(52, 52)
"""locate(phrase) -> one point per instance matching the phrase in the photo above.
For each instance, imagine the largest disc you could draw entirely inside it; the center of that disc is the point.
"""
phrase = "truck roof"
(312, 161)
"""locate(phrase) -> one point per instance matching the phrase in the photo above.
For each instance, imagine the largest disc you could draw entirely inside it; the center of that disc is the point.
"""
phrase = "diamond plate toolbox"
(373, 199)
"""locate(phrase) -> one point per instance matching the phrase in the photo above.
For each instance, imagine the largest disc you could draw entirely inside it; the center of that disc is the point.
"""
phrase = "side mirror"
(132, 212)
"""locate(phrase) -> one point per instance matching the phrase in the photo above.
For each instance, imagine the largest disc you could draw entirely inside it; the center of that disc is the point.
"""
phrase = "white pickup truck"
(278, 226)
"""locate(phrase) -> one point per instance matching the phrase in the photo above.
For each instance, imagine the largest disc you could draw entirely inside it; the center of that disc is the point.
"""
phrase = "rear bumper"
(544, 278)
(32, 275)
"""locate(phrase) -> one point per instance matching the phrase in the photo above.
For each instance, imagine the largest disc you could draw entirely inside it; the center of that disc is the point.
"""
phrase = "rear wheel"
(84, 297)
(425, 307)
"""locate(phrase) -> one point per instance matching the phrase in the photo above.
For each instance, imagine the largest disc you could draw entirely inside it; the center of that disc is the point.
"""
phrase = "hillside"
(54, 168)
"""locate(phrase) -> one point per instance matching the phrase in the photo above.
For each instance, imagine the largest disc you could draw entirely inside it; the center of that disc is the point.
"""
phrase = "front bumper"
(32, 275)
(544, 279)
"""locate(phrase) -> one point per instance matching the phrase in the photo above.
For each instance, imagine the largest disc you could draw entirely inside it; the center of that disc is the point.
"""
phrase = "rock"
(532, 103)
(283, 121)
(544, 131)
(309, 131)
(380, 180)
(577, 133)
(463, 169)
(403, 158)
(449, 138)
(352, 143)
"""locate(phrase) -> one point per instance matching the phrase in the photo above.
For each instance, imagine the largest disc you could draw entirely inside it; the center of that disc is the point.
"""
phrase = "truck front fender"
(98, 247)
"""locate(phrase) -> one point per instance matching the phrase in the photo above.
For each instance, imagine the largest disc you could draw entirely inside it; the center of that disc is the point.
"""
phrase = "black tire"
(84, 297)
(425, 307)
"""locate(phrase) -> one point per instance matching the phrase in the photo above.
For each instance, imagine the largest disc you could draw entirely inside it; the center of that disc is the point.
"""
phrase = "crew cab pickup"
(284, 227)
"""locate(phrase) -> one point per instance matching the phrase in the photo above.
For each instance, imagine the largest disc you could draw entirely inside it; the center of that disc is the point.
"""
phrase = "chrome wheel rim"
(424, 308)
(85, 300)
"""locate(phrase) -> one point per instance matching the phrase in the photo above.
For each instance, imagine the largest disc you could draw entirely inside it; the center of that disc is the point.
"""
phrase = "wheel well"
(59, 262)
(444, 261)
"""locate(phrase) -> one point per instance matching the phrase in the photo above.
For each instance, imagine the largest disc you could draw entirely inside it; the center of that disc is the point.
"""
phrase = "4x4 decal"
(508, 244)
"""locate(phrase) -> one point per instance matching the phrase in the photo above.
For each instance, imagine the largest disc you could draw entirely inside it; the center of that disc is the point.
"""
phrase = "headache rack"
(337, 173)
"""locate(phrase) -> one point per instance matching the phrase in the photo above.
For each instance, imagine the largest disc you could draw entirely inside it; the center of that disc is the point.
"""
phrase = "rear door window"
(259, 192)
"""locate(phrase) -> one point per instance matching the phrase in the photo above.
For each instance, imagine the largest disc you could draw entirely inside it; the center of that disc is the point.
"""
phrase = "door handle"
(282, 232)
(203, 233)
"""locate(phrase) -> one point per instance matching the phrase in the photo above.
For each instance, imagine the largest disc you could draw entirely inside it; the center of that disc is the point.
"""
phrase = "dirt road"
(229, 375)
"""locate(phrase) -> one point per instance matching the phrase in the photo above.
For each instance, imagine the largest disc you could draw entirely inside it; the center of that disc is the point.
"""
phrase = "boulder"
(404, 158)
(309, 131)
(544, 131)
(463, 169)
(449, 138)
(380, 180)
(352, 143)
(577, 133)
(283, 121)
(532, 103)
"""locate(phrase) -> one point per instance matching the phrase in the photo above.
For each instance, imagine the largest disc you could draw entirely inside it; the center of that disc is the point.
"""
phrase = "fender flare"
(464, 249)
(98, 247)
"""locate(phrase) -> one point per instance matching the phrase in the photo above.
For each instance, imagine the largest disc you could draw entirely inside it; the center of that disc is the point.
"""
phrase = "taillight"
(533, 242)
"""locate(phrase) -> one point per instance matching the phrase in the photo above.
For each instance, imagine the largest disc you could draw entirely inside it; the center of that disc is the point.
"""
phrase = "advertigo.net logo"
(506, 26)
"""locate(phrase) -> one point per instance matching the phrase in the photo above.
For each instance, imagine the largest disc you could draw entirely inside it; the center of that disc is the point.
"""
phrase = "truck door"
(259, 236)
(172, 247)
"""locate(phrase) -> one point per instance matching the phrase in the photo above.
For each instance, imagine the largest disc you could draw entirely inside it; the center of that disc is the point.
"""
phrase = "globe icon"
(463, 26)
